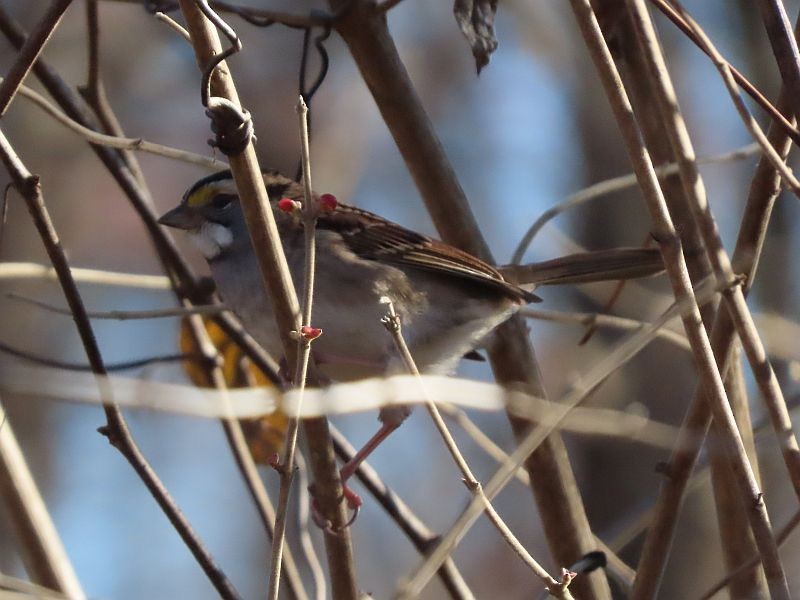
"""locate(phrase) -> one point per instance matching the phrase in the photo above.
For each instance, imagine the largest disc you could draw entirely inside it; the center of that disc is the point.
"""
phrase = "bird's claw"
(354, 504)
(354, 501)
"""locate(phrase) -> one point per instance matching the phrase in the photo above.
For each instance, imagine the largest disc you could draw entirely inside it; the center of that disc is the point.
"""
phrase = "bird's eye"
(222, 201)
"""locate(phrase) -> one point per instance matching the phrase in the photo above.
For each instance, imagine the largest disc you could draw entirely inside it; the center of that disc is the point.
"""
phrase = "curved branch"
(112, 141)
(116, 429)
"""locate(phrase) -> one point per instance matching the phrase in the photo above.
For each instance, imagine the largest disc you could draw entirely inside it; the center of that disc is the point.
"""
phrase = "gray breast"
(440, 320)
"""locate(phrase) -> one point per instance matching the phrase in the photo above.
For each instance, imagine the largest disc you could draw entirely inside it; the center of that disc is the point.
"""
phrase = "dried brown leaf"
(476, 20)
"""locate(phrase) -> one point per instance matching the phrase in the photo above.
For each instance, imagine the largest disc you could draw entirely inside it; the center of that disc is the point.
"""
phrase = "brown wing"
(374, 238)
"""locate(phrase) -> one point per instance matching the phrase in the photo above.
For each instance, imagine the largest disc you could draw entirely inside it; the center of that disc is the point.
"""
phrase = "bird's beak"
(181, 217)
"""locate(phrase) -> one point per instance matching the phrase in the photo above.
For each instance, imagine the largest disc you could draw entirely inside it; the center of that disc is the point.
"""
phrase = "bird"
(448, 300)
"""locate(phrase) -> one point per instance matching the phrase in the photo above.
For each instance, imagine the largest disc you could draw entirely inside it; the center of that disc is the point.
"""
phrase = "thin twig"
(75, 107)
(603, 320)
(234, 329)
(278, 284)
(783, 535)
(556, 588)
(110, 367)
(677, 133)
(580, 390)
(250, 185)
(287, 466)
(94, 75)
(30, 51)
(615, 564)
(174, 25)
(513, 360)
(42, 552)
(736, 538)
(416, 531)
(658, 126)
(137, 393)
(669, 242)
(616, 184)
(764, 190)
(239, 448)
(636, 524)
(137, 193)
(125, 315)
(94, 92)
(116, 427)
(784, 47)
(775, 113)
(733, 90)
(734, 297)
(304, 528)
(26, 270)
(121, 143)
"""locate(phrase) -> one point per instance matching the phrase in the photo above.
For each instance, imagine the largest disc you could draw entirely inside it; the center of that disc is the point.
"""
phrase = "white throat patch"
(211, 239)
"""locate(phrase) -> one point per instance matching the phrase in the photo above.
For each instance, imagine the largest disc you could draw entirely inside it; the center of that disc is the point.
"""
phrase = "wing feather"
(373, 238)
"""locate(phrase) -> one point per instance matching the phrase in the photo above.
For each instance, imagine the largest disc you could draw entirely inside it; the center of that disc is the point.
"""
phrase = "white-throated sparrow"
(447, 299)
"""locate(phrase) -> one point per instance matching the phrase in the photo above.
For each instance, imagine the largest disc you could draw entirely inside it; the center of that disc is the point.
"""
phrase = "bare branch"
(603, 320)
(24, 270)
(278, 284)
(116, 428)
(363, 27)
(76, 108)
(556, 588)
(44, 556)
(558, 413)
(238, 444)
(174, 25)
(615, 184)
(287, 467)
(776, 114)
(669, 242)
(764, 190)
(419, 534)
(782, 536)
(110, 367)
(124, 143)
(30, 51)
(784, 47)
(94, 92)
(125, 315)
(733, 90)
(304, 525)
(678, 135)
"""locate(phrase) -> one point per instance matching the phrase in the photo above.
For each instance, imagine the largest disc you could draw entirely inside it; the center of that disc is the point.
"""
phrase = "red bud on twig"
(328, 202)
(310, 333)
(288, 205)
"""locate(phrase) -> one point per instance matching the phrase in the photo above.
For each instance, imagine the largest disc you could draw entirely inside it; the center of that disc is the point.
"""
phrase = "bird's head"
(211, 214)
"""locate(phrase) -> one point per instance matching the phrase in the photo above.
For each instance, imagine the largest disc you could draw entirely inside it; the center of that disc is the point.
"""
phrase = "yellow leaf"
(264, 435)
